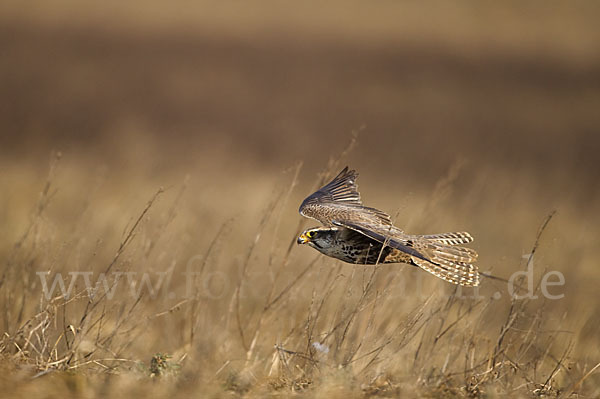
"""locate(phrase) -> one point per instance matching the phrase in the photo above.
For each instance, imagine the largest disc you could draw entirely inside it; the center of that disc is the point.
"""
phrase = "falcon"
(358, 234)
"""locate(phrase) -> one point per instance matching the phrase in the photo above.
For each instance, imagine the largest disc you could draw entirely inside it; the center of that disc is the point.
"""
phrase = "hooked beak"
(302, 239)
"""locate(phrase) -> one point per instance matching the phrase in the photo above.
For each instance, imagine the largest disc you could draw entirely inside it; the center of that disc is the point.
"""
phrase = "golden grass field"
(161, 152)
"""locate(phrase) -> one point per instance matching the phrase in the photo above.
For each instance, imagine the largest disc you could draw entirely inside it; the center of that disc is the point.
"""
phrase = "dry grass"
(263, 316)
(187, 149)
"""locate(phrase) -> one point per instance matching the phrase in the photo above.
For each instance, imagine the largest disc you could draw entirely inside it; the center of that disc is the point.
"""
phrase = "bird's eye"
(310, 234)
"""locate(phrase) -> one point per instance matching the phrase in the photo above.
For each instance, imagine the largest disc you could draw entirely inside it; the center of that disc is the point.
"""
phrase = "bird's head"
(318, 237)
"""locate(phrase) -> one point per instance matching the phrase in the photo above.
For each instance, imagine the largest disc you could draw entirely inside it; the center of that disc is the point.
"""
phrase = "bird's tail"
(450, 262)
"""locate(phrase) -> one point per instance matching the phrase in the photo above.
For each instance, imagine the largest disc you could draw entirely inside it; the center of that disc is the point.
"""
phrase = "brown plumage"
(358, 234)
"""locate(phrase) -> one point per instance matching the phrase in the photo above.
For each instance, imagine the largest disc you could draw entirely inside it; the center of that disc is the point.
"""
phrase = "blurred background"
(510, 85)
(504, 97)
(478, 116)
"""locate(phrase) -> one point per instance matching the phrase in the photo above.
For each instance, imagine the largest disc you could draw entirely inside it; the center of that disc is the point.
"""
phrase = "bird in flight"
(359, 234)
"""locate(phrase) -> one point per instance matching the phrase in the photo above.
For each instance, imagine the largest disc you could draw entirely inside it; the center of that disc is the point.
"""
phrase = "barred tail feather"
(457, 238)
(451, 263)
(464, 274)
(451, 253)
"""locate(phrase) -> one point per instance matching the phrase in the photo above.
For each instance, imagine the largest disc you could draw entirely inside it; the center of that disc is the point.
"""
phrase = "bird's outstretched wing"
(342, 189)
(338, 200)
(338, 204)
